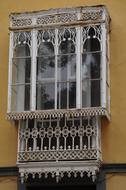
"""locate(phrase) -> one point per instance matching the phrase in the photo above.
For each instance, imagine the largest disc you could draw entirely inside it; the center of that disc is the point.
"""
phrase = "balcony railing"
(59, 139)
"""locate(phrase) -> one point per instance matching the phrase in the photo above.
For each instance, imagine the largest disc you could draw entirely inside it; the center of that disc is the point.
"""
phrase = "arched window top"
(45, 48)
(92, 42)
(22, 50)
(22, 44)
(46, 42)
(67, 38)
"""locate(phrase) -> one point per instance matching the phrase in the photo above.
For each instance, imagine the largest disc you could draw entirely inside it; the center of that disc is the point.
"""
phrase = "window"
(58, 66)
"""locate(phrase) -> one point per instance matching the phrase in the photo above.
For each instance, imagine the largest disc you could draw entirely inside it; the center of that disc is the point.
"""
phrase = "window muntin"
(56, 68)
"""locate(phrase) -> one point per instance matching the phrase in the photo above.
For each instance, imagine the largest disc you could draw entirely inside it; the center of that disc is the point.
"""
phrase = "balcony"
(59, 145)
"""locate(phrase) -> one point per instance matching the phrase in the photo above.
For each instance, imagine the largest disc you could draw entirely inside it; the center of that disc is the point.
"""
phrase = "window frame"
(104, 69)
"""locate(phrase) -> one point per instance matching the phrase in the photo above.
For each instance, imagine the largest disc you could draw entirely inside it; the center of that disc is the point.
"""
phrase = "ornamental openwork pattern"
(57, 113)
(92, 15)
(21, 22)
(58, 173)
(22, 38)
(96, 32)
(59, 139)
(58, 17)
(53, 19)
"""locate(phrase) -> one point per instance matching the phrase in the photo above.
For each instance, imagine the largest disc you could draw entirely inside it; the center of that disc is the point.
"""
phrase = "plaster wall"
(113, 133)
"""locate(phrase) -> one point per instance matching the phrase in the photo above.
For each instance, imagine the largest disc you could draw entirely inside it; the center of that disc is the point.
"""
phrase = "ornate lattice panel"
(59, 16)
(58, 139)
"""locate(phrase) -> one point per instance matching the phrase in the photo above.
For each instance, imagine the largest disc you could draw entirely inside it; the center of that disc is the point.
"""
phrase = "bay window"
(58, 89)
(57, 68)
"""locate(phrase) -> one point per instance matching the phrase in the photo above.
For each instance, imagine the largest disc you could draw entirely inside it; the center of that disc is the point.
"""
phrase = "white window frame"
(33, 30)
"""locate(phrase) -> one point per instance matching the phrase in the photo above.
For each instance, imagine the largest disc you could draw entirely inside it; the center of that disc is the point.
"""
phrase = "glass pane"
(21, 71)
(46, 48)
(62, 95)
(86, 93)
(22, 50)
(66, 96)
(91, 43)
(66, 67)
(90, 93)
(45, 96)
(20, 97)
(95, 93)
(45, 67)
(72, 95)
(91, 65)
(66, 46)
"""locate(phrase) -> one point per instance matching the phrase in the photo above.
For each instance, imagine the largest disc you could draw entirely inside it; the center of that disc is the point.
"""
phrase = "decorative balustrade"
(74, 138)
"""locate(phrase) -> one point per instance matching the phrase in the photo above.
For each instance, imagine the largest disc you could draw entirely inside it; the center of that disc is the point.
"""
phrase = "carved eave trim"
(43, 114)
(58, 169)
(59, 17)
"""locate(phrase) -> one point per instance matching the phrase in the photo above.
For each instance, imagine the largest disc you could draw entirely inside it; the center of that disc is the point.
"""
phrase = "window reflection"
(91, 71)
(45, 88)
(21, 76)
(66, 87)
(45, 96)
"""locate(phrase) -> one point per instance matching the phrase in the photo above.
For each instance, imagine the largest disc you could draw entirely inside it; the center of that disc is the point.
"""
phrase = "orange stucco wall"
(8, 183)
(115, 182)
(113, 133)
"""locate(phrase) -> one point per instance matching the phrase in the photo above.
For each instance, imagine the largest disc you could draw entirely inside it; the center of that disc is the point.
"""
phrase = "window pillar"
(33, 70)
(10, 71)
(103, 68)
(56, 65)
(78, 68)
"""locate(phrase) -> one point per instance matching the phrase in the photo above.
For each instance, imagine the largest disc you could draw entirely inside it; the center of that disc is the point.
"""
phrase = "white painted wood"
(98, 139)
(103, 67)
(33, 70)
(56, 65)
(108, 62)
(78, 67)
(10, 71)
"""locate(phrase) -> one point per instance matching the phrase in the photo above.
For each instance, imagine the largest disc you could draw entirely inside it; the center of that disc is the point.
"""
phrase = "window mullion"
(10, 71)
(103, 67)
(33, 69)
(56, 65)
(78, 67)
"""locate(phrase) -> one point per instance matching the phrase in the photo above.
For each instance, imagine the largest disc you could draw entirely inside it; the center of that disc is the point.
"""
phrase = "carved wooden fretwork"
(22, 38)
(99, 111)
(21, 22)
(59, 139)
(58, 17)
(68, 145)
(58, 170)
(92, 15)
